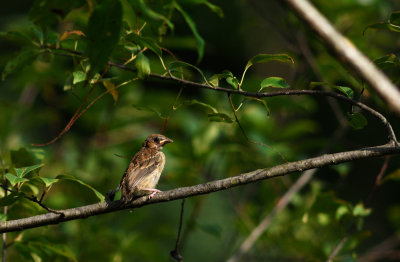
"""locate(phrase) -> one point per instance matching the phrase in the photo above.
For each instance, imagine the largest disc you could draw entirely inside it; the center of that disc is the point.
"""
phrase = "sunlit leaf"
(111, 89)
(277, 82)
(14, 179)
(48, 181)
(357, 120)
(142, 65)
(394, 176)
(74, 179)
(341, 211)
(22, 171)
(78, 76)
(232, 81)
(360, 210)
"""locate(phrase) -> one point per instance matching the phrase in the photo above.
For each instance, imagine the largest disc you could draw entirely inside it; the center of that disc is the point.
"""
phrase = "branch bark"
(348, 52)
(209, 187)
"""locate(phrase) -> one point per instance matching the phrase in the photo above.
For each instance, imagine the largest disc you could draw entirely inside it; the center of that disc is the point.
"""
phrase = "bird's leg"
(155, 191)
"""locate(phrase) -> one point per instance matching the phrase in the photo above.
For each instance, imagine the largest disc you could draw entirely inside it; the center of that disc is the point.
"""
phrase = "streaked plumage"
(145, 168)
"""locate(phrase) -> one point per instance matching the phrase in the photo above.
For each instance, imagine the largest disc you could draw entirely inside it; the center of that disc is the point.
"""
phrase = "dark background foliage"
(45, 87)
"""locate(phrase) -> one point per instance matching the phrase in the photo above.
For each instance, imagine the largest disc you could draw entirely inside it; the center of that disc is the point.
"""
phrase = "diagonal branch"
(348, 52)
(209, 187)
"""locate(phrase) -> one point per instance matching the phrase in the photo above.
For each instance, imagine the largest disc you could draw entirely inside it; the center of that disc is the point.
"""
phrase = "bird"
(144, 170)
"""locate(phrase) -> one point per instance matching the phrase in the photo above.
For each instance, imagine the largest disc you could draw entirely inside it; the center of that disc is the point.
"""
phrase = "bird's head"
(156, 141)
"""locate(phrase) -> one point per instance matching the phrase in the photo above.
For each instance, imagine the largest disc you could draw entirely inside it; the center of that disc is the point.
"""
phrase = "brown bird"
(144, 170)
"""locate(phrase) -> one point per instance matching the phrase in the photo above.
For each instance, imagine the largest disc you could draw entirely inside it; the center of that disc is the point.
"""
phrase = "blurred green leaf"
(220, 117)
(56, 249)
(360, 210)
(357, 120)
(74, 179)
(10, 198)
(22, 171)
(148, 109)
(176, 64)
(196, 102)
(277, 82)
(264, 58)
(145, 42)
(103, 33)
(141, 7)
(143, 65)
(16, 64)
(341, 211)
(232, 81)
(14, 179)
(78, 76)
(395, 18)
(347, 91)
(48, 181)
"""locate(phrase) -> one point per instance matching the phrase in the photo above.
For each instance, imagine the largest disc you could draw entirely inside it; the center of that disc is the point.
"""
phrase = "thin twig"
(175, 253)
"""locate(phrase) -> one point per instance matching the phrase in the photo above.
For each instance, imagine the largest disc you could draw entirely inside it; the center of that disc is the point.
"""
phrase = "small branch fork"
(209, 187)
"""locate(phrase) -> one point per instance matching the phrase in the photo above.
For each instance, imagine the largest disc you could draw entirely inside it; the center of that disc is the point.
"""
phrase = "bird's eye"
(156, 139)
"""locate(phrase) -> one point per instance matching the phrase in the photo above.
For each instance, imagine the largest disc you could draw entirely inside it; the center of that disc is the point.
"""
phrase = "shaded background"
(34, 108)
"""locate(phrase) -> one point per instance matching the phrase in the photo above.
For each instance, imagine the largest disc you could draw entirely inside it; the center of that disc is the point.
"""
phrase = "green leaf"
(357, 120)
(10, 199)
(141, 7)
(263, 58)
(74, 179)
(389, 26)
(24, 58)
(14, 179)
(143, 65)
(232, 81)
(341, 211)
(103, 33)
(145, 42)
(148, 109)
(216, 9)
(220, 117)
(192, 26)
(57, 249)
(22, 171)
(360, 210)
(176, 64)
(196, 102)
(212, 229)
(277, 82)
(48, 181)
(78, 76)
(347, 91)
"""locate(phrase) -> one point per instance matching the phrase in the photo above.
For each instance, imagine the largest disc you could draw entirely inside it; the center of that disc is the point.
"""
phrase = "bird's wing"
(139, 170)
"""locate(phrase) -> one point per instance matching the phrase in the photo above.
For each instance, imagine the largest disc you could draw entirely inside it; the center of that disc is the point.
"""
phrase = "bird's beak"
(165, 141)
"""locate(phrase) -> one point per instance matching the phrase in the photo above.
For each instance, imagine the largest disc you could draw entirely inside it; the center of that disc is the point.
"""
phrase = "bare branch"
(209, 187)
(348, 52)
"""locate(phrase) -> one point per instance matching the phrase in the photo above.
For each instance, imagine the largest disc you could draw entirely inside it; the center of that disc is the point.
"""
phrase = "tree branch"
(348, 52)
(364, 107)
(209, 187)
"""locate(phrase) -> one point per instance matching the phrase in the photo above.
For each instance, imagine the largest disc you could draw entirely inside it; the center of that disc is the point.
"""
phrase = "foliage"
(87, 67)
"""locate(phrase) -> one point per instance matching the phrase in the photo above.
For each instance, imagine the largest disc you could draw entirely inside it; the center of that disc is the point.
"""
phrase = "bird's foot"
(155, 191)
